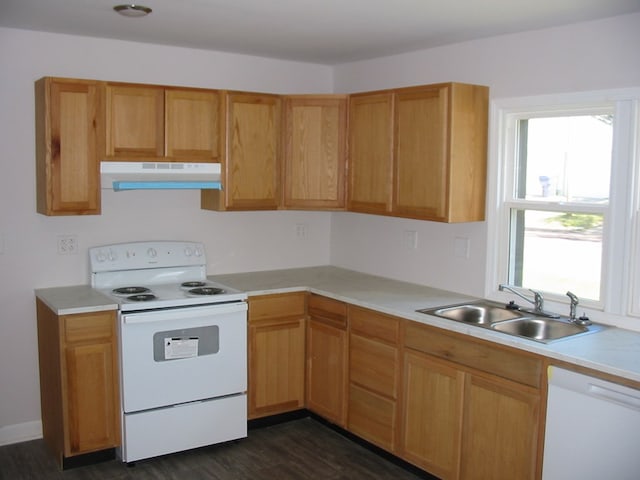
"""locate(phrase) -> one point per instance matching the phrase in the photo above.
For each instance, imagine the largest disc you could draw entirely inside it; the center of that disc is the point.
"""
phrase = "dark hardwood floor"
(300, 449)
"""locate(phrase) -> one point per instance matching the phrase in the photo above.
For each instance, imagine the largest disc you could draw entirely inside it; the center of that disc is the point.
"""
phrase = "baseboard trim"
(20, 432)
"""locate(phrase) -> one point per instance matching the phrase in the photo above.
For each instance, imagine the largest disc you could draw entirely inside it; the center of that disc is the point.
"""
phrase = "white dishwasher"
(592, 429)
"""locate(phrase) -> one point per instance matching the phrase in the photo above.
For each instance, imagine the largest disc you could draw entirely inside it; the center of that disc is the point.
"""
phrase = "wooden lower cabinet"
(432, 416)
(79, 386)
(276, 353)
(327, 352)
(500, 432)
(466, 422)
(373, 376)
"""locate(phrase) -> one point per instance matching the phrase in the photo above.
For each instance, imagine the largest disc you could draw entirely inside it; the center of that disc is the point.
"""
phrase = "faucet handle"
(538, 300)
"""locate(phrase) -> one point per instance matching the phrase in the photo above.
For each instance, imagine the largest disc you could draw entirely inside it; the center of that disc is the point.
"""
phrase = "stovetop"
(161, 274)
(145, 297)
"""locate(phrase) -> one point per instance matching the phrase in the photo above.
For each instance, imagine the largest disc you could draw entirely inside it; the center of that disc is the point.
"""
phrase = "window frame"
(620, 279)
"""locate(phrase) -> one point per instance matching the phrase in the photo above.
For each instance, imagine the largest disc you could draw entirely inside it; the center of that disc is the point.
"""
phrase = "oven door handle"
(153, 316)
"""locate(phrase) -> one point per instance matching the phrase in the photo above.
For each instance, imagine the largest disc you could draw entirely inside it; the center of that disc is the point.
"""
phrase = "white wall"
(587, 56)
(234, 241)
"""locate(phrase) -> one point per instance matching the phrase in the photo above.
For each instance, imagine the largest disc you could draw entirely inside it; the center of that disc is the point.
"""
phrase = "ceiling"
(325, 31)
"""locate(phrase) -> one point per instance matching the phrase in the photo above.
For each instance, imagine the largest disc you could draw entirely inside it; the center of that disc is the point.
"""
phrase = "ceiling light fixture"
(131, 10)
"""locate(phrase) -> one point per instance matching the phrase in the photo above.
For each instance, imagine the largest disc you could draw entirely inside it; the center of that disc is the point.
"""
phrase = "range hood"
(120, 176)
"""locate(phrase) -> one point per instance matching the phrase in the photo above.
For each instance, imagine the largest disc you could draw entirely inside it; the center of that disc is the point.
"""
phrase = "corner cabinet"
(156, 123)
(79, 386)
(327, 357)
(69, 143)
(315, 130)
(427, 147)
(276, 353)
(471, 409)
(251, 163)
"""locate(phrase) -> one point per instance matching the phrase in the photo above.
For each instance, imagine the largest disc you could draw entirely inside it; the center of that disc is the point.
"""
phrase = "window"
(559, 201)
(565, 175)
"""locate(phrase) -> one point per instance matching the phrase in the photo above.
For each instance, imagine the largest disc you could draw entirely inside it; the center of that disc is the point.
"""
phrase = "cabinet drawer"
(372, 417)
(484, 356)
(88, 326)
(374, 324)
(327, 310)
(373, 365)
(280, 306)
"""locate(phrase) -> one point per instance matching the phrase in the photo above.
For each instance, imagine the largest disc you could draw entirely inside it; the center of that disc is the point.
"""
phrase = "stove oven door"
(180, 355)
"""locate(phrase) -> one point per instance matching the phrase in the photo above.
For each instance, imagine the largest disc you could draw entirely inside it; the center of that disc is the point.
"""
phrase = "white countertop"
(614, 351)
(75, 299)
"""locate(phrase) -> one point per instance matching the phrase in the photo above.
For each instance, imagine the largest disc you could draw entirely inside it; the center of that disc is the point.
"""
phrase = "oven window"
(169, 345)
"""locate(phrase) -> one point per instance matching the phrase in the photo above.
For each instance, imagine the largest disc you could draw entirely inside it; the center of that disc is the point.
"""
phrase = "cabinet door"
(315, 149)
(500, 430)
(432, 415)
(252, 165)
(192, 125)
(276, 353)
(370, 153)
(90, 377)
(420, 160)
(326, 371)
(68, 145)
(135, 122)
(91, 408)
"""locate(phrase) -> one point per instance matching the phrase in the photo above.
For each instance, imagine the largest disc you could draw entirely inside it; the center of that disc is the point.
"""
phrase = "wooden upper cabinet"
(68, 146)
(251, 164)
(147, 122)
(420, 162)
(370, 152)
(441, 152)
(192, 125)
(420, 152)
(135, 122)
(315, 130)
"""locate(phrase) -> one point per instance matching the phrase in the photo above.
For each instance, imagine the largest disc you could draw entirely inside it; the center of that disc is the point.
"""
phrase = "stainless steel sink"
(496, 316)
(540, 329)
(478, 313)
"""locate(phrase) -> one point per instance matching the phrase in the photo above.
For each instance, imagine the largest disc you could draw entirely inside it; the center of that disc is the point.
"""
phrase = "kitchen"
(572, 57)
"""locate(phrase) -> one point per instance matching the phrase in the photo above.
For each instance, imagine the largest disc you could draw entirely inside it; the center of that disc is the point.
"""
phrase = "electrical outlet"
(411, 239)
(67, 244)
(302, 231)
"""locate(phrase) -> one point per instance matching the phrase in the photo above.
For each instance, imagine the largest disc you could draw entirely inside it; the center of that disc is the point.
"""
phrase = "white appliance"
(119, 176)
(183, 347)
(592, 429)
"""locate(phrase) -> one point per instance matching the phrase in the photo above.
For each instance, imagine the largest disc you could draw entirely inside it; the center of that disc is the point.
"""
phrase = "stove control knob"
(152, 252)
(198, 252)
(100, 256)
(188, 251)
(113, 256)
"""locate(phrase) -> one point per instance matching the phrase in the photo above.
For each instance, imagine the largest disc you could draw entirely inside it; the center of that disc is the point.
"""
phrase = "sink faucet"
(573, 306)
(583, 320)
(538, 301)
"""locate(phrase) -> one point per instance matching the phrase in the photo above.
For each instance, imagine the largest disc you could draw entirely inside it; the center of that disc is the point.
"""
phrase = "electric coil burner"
(183, 352)
(129, 290)
(205, 291)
